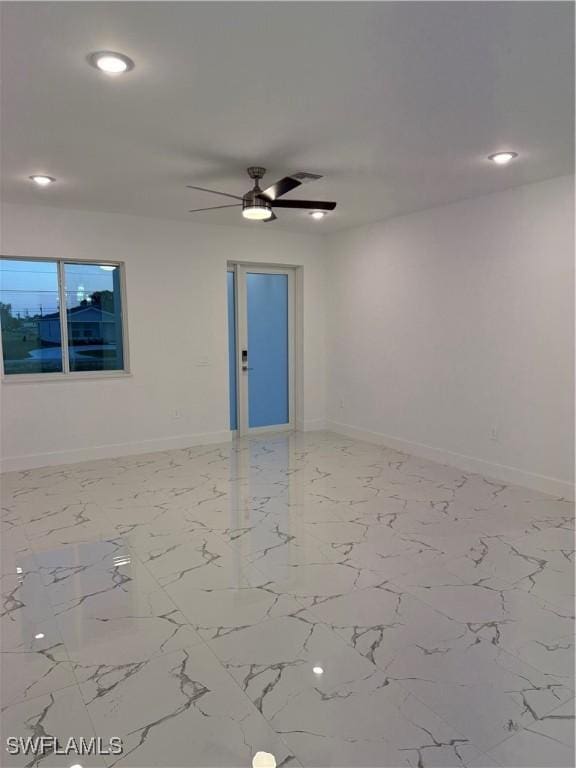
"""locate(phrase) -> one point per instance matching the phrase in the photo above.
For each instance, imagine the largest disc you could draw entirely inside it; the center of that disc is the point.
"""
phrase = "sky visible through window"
(30, 287)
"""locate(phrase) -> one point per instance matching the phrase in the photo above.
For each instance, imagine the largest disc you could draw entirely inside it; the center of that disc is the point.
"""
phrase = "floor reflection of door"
(261, 348)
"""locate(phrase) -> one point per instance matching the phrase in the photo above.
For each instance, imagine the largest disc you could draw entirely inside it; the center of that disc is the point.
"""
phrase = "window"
(93, 317)
(60, 317)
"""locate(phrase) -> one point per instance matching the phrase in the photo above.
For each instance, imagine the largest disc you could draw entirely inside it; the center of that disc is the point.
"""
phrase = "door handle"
(245, 368)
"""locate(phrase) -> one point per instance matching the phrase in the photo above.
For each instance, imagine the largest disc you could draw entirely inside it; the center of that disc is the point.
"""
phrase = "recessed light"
(317, 214)
(502, 158)
(110, 62)
(318, 670)
(39, 636)
(42, 180)
(263, 760)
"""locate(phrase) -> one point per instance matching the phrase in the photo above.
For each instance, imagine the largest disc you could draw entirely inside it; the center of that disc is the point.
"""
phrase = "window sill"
(36, 378)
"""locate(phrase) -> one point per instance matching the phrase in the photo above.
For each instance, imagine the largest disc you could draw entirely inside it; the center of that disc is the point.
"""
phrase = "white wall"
(176, 291)
(448, 323)
(439, 327)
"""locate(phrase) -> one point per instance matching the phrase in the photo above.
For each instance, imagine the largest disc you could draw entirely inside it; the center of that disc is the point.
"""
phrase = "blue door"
(267, 309)
(259, 348)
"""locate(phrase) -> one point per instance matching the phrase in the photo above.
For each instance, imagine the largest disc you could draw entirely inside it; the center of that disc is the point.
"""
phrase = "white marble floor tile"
(484, 692)
(92, 552)
(171, 558)
(483, 761)
(529, 618)
(12, 534)
(27, 674)
(60, 715)
(463, 601)
(216, 612)
(547, 742)
(555, 657)
(377, 621)
(493, 559)
(29, 632)
(17, 560)
(65, 523)
(76, 584)
(121, 628)
(276, 659)
(24, 596)
(207, 563)
(333, 602)
(365, 711)
(182, 709)
(315, 582)
(341, 752)
(550, 555)
(271, 544)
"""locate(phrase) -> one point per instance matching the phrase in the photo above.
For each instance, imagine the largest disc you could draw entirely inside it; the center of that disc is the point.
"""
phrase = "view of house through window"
(31, 293)
(93, 317)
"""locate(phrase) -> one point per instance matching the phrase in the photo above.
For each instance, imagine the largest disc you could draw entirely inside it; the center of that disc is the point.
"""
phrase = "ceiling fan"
(257, 204)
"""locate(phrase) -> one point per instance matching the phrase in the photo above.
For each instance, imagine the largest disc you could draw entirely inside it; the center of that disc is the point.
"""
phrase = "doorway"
(261, 348)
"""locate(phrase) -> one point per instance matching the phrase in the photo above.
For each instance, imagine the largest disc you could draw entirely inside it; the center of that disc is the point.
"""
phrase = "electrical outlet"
(495, 434)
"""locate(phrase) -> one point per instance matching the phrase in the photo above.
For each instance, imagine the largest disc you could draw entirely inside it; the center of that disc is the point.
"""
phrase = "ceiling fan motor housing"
(253, 200)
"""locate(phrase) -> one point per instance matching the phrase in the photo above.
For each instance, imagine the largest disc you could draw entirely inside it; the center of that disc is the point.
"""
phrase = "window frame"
(66, 374)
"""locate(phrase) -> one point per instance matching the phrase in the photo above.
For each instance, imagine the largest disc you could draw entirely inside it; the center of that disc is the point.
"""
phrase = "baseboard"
(75, 455)
(512, 475)
(311, 425)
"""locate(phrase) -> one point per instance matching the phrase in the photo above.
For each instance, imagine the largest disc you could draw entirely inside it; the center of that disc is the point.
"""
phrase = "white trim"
(311, 425)
(124, 319)
(271, 428)
(63, 310)
(36, 378)
(76, 455)
(513, 475)
(241, 270)
(241, 311)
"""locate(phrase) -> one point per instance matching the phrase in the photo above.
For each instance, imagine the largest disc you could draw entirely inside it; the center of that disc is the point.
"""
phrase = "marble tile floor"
(324, 600)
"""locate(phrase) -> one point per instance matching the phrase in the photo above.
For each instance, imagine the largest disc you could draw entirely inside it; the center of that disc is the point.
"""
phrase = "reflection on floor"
(327, 601)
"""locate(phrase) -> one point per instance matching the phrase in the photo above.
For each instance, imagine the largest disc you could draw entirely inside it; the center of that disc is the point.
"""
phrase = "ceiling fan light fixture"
(318, 214)
(256, 209)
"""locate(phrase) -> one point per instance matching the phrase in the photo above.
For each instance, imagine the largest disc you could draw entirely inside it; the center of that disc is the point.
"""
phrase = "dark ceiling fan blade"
(282, 186)
(213, 191)
(215, 207)
(315, 205)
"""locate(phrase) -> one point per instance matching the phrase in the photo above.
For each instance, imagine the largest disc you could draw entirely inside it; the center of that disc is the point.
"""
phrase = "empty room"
(287, 384)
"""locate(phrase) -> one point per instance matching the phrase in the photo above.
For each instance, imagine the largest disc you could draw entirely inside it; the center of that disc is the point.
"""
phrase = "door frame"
(241, 269)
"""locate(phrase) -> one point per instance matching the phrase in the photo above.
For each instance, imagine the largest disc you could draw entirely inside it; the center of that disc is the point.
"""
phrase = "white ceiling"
(396, 104)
